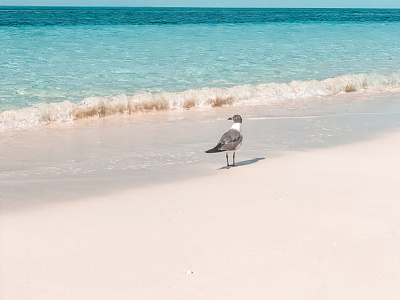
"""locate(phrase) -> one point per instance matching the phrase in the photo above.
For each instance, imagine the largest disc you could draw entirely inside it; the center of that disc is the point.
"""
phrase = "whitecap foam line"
(97, 107)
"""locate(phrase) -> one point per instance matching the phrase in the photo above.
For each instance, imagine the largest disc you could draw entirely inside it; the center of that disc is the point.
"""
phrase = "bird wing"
(230, 140)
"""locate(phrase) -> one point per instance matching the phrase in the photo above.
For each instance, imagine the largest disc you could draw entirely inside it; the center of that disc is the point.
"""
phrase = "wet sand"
(68, 161)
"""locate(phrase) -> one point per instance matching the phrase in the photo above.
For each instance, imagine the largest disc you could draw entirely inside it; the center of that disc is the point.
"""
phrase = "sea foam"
(98, 107)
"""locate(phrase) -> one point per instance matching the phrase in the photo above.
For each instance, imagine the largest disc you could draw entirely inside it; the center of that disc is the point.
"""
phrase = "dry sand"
(320, 224)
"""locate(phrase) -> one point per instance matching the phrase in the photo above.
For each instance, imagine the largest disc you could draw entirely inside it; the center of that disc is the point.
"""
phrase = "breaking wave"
(97, 107)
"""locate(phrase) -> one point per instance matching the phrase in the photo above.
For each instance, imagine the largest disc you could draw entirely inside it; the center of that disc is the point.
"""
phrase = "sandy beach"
(108, 108)
(315, 224)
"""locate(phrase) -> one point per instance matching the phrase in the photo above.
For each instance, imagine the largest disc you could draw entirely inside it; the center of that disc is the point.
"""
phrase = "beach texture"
(309, 225)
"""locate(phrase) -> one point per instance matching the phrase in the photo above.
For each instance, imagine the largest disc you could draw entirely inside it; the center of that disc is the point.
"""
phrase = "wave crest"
(97, 107)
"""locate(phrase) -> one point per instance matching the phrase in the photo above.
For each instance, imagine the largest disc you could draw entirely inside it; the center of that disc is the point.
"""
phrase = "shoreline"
(323, 221)
(70, 161)
(93, 108)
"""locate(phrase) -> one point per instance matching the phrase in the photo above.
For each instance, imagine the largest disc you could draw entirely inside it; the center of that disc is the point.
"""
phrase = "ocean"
(63, 64)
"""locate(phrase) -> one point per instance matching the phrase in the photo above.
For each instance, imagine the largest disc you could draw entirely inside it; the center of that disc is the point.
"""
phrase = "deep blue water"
(42, 16)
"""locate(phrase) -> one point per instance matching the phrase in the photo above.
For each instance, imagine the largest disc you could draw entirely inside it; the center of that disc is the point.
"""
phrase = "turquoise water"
(192, 57)
(60, 65)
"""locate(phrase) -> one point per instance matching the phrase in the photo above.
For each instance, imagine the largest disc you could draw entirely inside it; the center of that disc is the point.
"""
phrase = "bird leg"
(233, 158)
(227, 161)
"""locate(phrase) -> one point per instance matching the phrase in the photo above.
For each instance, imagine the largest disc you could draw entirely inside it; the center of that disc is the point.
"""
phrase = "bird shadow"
(242, 163)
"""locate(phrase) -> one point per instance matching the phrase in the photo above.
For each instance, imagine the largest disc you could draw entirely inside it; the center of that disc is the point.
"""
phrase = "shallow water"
(63, 64)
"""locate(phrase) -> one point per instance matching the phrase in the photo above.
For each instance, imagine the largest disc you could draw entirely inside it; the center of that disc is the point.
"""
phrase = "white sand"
(322, 224)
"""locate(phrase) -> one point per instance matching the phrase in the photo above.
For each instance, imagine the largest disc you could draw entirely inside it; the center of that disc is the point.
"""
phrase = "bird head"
(236, 119)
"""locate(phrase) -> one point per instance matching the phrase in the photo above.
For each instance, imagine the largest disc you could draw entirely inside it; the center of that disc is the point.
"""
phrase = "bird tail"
(215, 149)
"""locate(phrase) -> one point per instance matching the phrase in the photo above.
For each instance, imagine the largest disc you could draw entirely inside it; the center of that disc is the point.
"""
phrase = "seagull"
(231, 140)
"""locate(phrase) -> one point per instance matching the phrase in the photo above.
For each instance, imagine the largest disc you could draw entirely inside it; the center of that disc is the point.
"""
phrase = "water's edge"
(98, 107)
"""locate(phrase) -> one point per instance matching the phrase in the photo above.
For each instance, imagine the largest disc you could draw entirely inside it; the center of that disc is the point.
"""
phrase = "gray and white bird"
(231, 140)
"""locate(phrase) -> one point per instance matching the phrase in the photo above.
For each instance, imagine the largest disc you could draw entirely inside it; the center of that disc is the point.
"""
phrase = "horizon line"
(271, 7)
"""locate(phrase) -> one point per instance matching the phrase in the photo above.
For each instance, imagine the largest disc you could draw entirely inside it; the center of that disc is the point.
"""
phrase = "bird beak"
(230, 119)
